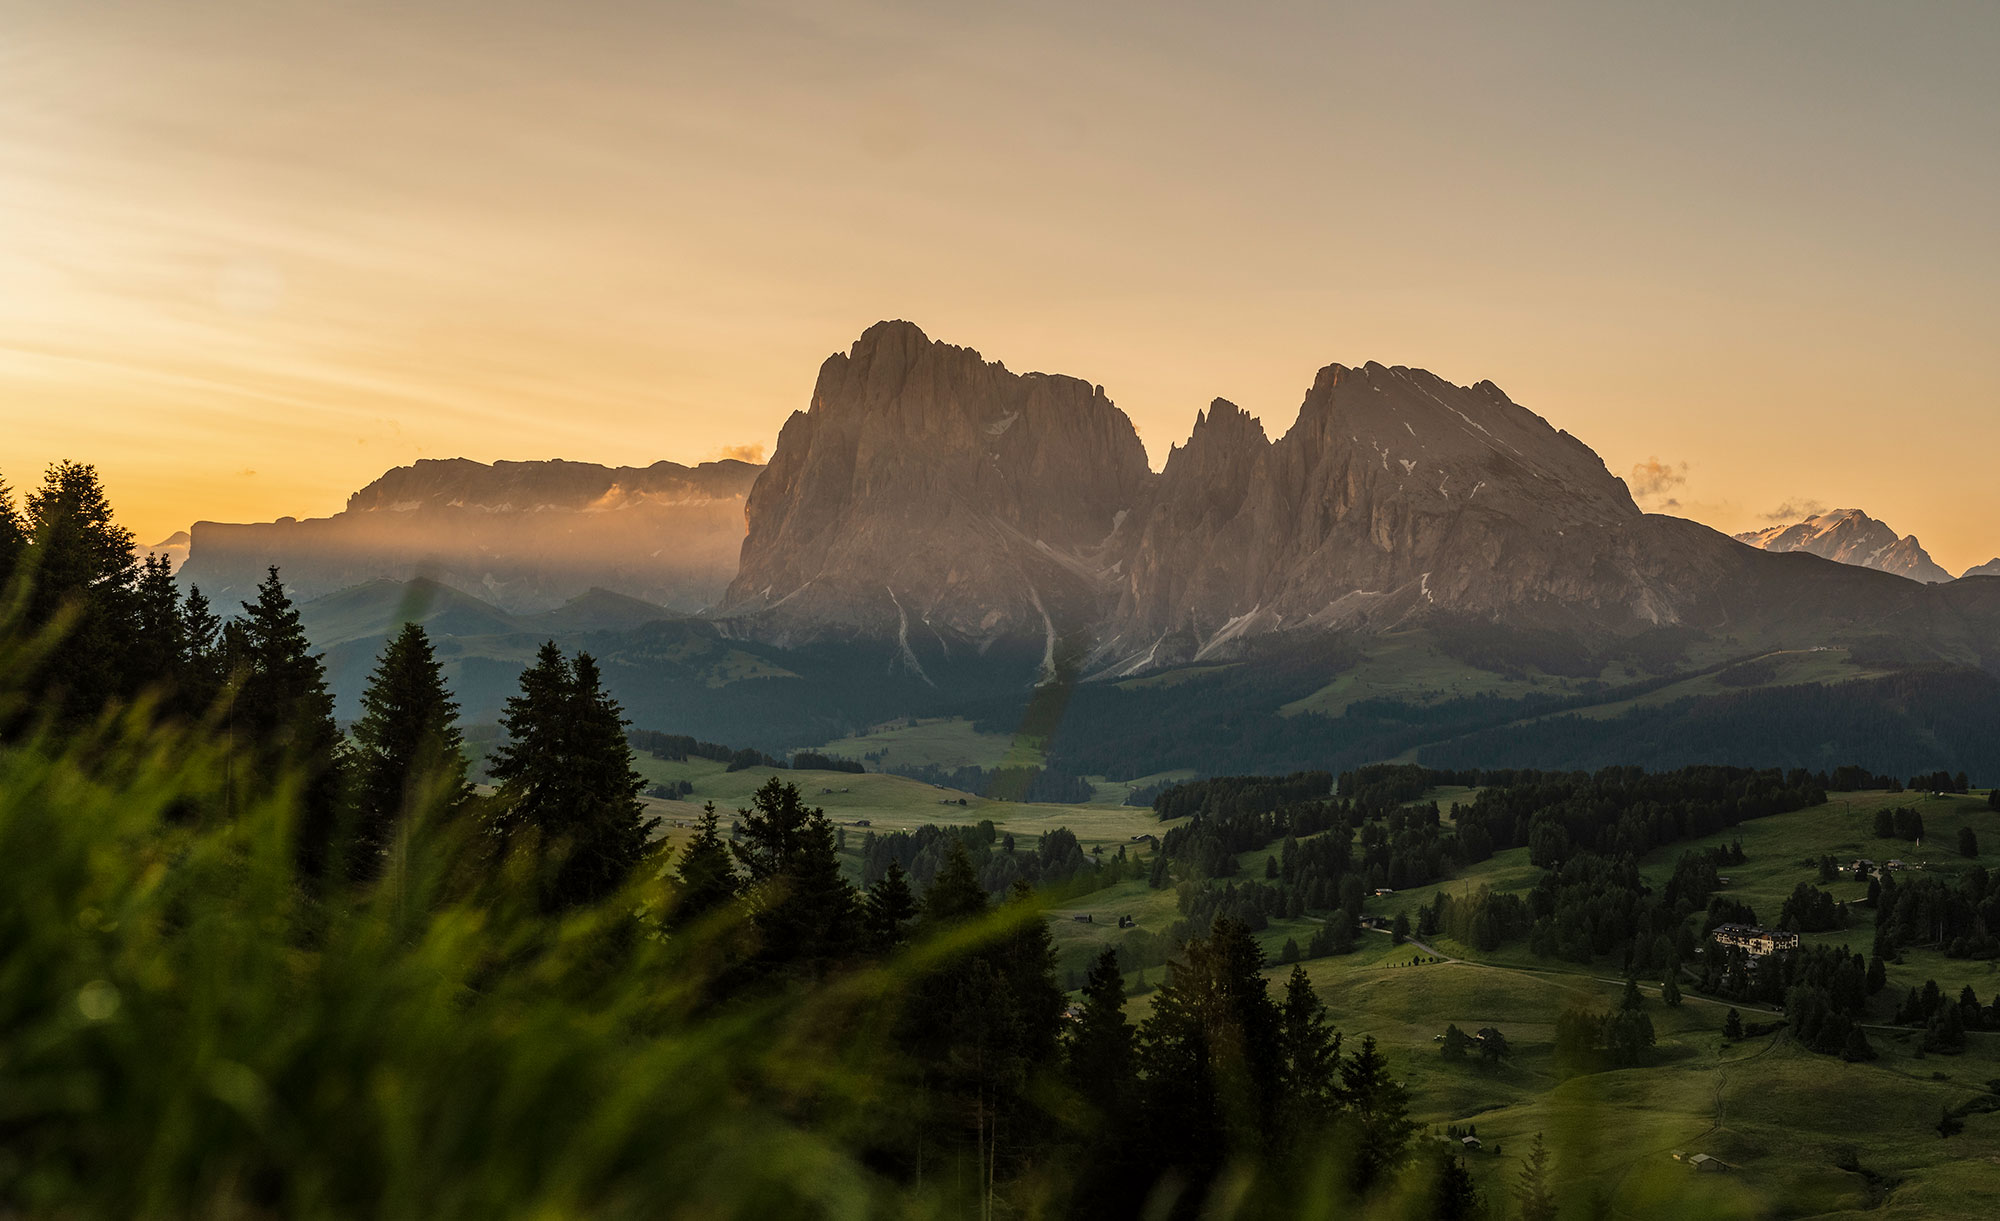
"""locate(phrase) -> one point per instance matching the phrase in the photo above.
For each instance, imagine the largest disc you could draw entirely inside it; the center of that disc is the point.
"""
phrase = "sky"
(253, 254)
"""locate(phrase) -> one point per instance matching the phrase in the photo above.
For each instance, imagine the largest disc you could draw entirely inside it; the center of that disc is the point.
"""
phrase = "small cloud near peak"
(1795, 511)
(1653, 478)
(753, 454)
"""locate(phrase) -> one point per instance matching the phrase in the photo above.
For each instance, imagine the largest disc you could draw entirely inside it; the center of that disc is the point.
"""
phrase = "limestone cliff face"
(928, 492)
(1849, 536)
(527, 536)
(1395, 494)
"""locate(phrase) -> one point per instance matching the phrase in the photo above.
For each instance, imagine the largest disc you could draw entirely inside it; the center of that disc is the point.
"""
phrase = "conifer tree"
(888, 909)
(1378, 1107)
(1100, 1063)
(1100, 1047)
(408, 749)
(83, 566)
(1211, 1055)
(1310, 1051)
(159, 646)
(705, 880)
(1533, 1190)
(566, 776)
(802, 908)
(1732, 1025)
(13, 538)
(202, 671)
(283, 713)
(1454, 1196)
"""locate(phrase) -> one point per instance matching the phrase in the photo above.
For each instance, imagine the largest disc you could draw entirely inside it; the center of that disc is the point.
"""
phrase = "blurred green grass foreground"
(254, 965)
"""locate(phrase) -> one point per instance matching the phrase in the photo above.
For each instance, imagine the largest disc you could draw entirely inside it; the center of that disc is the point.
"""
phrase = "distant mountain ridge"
(529, 536)
(937, 501)
(1850, 536)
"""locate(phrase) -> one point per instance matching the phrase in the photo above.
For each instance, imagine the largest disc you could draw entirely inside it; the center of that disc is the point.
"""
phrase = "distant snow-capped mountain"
(1850, 536)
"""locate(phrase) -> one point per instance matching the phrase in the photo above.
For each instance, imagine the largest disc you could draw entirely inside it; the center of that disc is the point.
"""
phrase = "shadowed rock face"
(931, 498)
(528, 536)
(1990, 568)
(1394, 494)
(929, 493)
(1849, 536)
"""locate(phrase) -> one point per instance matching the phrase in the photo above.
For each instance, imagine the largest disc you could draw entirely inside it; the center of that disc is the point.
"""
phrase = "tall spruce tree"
(1310, 1048)
(204, 668)
(977, 1025)
(408, 751)
(1099, 1049)
(1100, 1064)
(83, 571)
(803, 910)
(1378, 1110)
(158, 654)
(1211, 1057)
(13, 540)
(888, 909)
(705, 878)
(1532, 1190)
(282, 714)
(1454, 1196)
(566, 777)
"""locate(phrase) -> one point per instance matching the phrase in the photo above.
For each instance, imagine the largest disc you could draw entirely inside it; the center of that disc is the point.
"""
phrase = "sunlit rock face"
(1849, 536)
(930, 494)
(1394, 493)
(526, 536)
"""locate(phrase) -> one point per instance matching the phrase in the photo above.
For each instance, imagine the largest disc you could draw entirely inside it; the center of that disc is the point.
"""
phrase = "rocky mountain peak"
(1395, 493)
(926, 488)
(1990, 568)
(1850, 536)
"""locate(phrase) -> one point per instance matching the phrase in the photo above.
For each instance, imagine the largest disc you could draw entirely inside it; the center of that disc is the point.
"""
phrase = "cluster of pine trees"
(118, 630)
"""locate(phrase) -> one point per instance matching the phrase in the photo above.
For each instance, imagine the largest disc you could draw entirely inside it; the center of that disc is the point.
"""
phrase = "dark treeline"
(1003, 783)
(1627, 810)
(680, 747)
(1924, 719)
(1056, 861)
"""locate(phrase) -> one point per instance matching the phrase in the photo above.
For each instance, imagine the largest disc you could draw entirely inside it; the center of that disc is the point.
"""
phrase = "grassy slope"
(888, 803)
(1781, 1115)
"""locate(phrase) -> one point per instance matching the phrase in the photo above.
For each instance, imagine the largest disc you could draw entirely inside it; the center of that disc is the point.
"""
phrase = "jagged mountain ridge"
(1394, 493)
(1990, 568)
(1850, 536)
(529, 536)
(932, 497)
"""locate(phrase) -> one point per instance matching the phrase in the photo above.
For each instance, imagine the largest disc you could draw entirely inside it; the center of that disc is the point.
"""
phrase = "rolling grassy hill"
(1805, 1135)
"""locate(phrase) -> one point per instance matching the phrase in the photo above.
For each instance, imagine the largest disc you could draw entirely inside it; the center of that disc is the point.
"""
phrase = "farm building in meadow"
(1757, 942)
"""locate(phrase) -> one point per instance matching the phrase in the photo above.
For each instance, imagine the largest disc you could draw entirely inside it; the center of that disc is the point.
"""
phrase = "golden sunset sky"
(254, 253)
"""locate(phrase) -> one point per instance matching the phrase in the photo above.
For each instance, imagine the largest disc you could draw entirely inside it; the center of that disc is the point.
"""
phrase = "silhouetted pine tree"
(408, 749)
(282, 716)
(1378, 1111)
(705, 879)
(1100, 1045)
(13, 537)
(83, 567)
(566, 776)
(802, 908)
(1211, 1057)
(1453, 1195)
(888, 909)
(159, 647)
(1100, 1065)
(1310, 1051)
